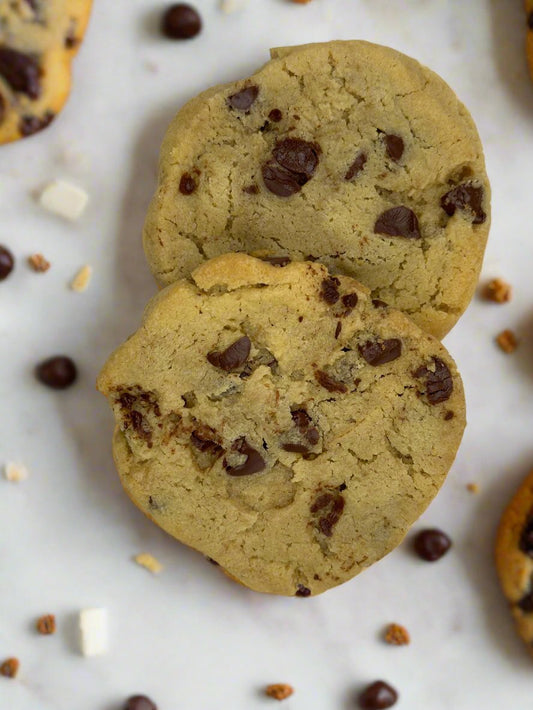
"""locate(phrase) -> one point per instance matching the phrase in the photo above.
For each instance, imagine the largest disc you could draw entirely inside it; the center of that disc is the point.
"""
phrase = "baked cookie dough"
(514, 558)
(38, 39)
(348, 152)
(281, 422)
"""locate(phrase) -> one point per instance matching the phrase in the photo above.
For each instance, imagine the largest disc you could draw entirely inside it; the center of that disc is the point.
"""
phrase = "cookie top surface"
(38, 39)
(276, 419)
(346, 151)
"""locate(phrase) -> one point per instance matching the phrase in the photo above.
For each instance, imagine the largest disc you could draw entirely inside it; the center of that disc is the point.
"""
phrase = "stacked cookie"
(273, 412)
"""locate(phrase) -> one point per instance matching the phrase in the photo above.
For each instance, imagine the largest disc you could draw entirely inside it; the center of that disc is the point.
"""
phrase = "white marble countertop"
(190, 638)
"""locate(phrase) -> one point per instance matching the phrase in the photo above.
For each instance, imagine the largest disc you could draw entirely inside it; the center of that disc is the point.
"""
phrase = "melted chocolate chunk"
(297, 156)
(233, 356)
(279, 181)
(251, 189)
(204, 439)
(302, 591)
(21, 72)
(379, 352)
(243, 99)
(275, 115)
(181, 21)
(32, 124)
(311, 435)
(338, 329)
(301, 419)
(449, 415)
(394, 146)
(356, 167)
(530, 20)
(58, 372)
(430, 545)
(252, 464)
(378, 696)
(280, 261)
(329, 291)
(7, 262)
(398, 222)
(526, 538)
(439, 383)
(467, 198)
(140, 426)
(349, 300)
(377, 303)
(295, 448)
(328, 508)
(332, 385)
(187, 184)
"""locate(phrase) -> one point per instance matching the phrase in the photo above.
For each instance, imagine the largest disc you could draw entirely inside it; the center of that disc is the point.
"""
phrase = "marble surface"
(190, 638)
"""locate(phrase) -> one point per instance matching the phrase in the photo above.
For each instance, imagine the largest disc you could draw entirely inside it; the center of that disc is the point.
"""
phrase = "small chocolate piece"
(46, 625)
(251, 189)
(526, 603)
(377, 303)
(526, 537)
(312, 436)
(467, 198)
(301, 419)
(29, 125)
(139, 702)
(349, 300)
(439, 383)
(140, 426)
(329, 383)
(233, 356)
(449, 415)
(7, 262)
(394, 146)
(203, 439)
(432, 544)
(2, 108)
(530, 20)
(329, 507)
(398, 222)
(279, 181)
(378, 696)
(253, 463)
(338, 329)
(275, 115)
(356, 167)
(187, 184)
(71, 41)
(379, 352)
(302, 591)
(295, 448)
(243, 99)
(329, 291)
(58, 372)
(280, 261)
(297, 156)
(181, 21)
(21, 72)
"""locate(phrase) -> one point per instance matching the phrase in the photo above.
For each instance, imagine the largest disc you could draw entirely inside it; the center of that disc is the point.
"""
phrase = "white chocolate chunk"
(93, 632)
(64, 199)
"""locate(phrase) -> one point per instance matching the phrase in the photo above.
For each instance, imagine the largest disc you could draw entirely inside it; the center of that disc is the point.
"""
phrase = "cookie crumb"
(64, 199)
(472, 487)
(10, 668)
(279, 691)
(507, 341)
(81, 281)
(15, 472)
(46, 625)
(498, 291)
(149, 562)
(38, 263)
(93, 632)
(397, 635)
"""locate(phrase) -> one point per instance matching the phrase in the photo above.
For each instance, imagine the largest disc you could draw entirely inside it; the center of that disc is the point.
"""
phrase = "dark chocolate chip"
(139, 702)
(378, 696)
(449, 415)
(439, 383)
(329, 507)
(233, 356)
(338, 329)
(203, 439)
(280, 261)
(7, 262)
(140, 426)
(398, 222)
(356, 167)
(251, 189)
(187, 184)
(394, 146)
(253, 463)
(349, 300)
(332, 385)
(2, 108)
(530, 20)
(71, 41)
(275, 115)
(526, 603)
(295, 448)
(243, 99)
(297, 156)
(302, 591)
(29, 125)
(377, 303)
(279, 181)
(343, 487)
(432, 544)
(21, 72)
(127, 400)
(329, 291)
(379, 352)
(467, 198)
(58, 372)
(301, 419)
(181, 21)
(526, 537)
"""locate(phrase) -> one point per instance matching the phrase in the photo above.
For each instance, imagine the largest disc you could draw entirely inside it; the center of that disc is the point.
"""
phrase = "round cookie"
(514, 558)
(282, 423)
(38, 40)
(345, 151)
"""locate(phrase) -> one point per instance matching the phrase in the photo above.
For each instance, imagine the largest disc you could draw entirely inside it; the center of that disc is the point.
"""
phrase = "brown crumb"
(10, 667)
(507, 341)
(397, 635)
(279, 691)
(46, 624)
(38, 263)
(472, 487)
(498, 291)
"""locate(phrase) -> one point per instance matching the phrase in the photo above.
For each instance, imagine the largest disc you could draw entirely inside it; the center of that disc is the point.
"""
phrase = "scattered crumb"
(397, 635)
(279, 691)
(507, 341)
(15, 472)
(10, 667)
(498, 291)
(38, 263)
(46, 625)
(93, 631)
(149, 562)
(82, 279)
(229, 6)
(64, 199)
(472, 487)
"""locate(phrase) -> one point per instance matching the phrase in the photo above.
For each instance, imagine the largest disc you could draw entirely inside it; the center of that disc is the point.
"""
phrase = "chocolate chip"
(439, 382)
(139, 702)
(378, 696)
(467, 198)
(280, 261)
(7, 262)
(279, 181)
(187, 184)
(301, 419)
(21, 72)
(329, 291)
(377, 303)
(432, 544)
(251, 189)
(302, 591)
(394, 146)
(449, 415)
(526, 603)
(338, 329)
(356, 167)
(297, 156)
(275, 115)
(530, 20)
(252, 464)
(349, 300)
(329, 507)
(379, 352)
(29, 125)
(526, 537)
(243, 99)
(295, 448)
(233, 356)
(140, 426)
(332, 385)
(71, 41)
(181, 21)
(58, 372)
(203, 439)
(398, 222)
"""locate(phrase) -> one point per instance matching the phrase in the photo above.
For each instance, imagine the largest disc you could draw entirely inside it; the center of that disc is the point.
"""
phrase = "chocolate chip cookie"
(38, 39)
(281, 421)
(529, 36)
(347, 152)
(514, 558)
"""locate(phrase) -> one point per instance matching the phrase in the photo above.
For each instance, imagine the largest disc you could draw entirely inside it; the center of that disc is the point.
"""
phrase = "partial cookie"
(514, 558)
(348, 152)
(38, 39)
(281, 422)
(529, 38)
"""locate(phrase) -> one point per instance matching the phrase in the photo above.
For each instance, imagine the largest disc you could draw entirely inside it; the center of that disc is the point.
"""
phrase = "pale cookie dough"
(38, 39)
(514, 558)
(346, 151)
(277, 420)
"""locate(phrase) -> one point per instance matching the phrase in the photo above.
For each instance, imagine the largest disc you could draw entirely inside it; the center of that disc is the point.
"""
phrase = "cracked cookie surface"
(348, 152)
(281, 421)
(38, 39)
